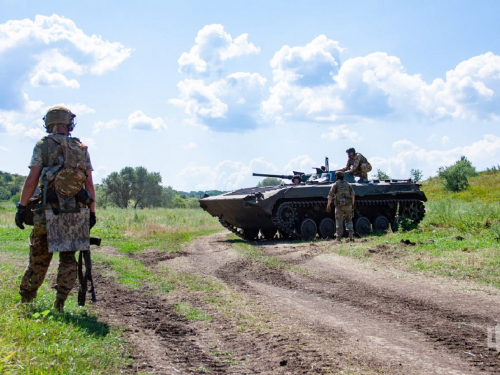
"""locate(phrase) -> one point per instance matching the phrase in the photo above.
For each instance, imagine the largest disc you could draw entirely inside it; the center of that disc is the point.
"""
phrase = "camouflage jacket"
(354, 162)
(54, 155)
(342, 193)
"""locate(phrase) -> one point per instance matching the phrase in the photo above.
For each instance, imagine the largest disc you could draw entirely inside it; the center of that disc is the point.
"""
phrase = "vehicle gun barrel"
(285, 177)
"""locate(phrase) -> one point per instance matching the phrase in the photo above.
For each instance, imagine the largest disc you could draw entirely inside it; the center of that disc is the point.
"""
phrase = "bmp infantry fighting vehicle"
(299, 211)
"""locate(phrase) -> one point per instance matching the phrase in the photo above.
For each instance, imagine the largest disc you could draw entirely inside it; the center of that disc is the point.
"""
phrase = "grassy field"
(34, 340)
(459, 236)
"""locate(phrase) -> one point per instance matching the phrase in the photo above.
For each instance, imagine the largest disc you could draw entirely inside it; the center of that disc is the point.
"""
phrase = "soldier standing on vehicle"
(343, 194)
(357, 164)
(65, 210)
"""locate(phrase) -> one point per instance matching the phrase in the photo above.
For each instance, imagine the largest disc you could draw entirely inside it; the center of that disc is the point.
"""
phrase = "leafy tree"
(381, 175)
(146, 189)
(179, 202)
(167, 195)
(456, 177)
(416, 175)
(270, 181)
(10, 185)
(137, 184)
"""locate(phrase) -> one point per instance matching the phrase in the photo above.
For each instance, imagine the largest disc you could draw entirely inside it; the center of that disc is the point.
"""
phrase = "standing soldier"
(343, 194)
(61, 166)
(357, 164)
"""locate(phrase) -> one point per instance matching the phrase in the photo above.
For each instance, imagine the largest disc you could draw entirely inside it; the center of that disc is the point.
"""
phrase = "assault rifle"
(83, 280)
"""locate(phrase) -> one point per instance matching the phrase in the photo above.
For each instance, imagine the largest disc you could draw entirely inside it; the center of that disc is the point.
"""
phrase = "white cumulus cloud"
(311, 83)
(212, 47)
(4, 149)
(228, 104)
(341, 133)
(226, 175)
(482, 153)
(48, 49)
(101, 125)
(139, 121)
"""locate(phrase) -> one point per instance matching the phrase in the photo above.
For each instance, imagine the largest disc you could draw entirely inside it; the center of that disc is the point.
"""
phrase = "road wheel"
(326, 228)
(362, 226)
(380, 224)
(308, 229)
(268, 233)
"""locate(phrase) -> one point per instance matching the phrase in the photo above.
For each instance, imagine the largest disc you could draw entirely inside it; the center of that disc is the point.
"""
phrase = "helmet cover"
(59, 115)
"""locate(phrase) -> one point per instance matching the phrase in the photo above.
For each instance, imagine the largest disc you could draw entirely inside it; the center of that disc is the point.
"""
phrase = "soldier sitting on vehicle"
(343, 194)
(357, 164)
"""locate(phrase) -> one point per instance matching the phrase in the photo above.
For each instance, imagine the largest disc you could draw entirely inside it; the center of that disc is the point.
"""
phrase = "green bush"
(16, 198)
(456, 177)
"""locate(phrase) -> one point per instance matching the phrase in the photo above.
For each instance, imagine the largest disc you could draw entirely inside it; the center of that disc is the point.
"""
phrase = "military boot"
(59, 304)
(27, 296)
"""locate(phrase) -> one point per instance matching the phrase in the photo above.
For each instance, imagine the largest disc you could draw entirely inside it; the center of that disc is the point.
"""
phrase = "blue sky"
(208, 92)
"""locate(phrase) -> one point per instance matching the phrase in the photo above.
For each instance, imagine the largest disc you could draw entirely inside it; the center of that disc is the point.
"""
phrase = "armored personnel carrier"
(299, 211)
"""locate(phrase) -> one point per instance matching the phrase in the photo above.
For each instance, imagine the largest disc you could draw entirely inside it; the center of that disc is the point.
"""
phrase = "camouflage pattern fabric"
(344, 213)
(39, 261)
(55, 152)
(341, 193)
(358, 166)
(71, 179)
(68, 231)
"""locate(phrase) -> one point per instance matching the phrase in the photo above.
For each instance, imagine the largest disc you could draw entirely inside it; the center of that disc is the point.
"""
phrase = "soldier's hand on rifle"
(93, 220)
(20, 215)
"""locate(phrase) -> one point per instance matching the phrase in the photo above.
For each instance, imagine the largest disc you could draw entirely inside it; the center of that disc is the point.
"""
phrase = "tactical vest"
(66, 172)
(343, 195)
(63, 196)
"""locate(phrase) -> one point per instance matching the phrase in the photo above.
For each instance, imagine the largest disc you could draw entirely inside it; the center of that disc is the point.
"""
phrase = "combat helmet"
(59, 115)
(339, 175)
(352, 149)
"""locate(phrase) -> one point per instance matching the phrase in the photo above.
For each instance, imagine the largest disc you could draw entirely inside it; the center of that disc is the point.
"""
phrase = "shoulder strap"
(45, 151)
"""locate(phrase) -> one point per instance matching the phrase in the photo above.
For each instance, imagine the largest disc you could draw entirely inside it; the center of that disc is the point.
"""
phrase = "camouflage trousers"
(362, 171)
(39, 261)
(344, 213)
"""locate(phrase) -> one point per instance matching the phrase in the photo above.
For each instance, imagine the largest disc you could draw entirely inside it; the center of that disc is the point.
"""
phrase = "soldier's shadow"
(88, 323)
(85, 322)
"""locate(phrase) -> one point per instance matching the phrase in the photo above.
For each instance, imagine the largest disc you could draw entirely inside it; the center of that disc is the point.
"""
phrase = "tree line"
(138, 188)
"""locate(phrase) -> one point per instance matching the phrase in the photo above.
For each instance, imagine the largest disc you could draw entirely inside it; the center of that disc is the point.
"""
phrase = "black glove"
(93, 220)
(20, 215)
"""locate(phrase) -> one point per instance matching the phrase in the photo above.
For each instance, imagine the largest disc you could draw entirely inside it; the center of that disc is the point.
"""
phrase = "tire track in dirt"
(418, 333)
(162, 341)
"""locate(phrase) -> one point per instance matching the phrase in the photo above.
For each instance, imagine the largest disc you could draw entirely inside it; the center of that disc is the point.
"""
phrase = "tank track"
(231, 228)
(412, 207)
(287, 227)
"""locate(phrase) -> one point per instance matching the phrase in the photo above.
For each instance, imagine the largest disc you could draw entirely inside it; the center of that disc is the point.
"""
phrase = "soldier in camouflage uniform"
(343, 194)
(357, 164)
(48, 157)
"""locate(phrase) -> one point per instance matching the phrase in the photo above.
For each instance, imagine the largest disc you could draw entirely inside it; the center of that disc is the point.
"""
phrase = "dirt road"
(304, 310)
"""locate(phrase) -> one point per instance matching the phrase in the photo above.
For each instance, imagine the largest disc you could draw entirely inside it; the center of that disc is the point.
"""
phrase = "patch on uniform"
(68, 231)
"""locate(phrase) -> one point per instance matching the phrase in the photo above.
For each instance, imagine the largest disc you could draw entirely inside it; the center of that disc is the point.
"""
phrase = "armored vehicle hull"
(299, 211)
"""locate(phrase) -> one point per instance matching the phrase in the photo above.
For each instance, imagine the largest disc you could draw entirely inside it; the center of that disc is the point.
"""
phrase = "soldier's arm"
(352, 195)
(30, 185)
(330, 195)
(89, 185)
(355, 165)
